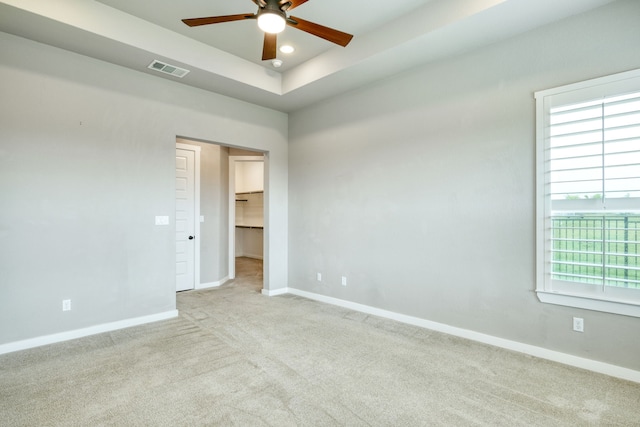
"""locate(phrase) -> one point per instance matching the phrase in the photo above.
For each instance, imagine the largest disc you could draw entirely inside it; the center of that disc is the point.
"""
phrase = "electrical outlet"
(578, 324)
(344, 281)
(66, 304)
(319, 277)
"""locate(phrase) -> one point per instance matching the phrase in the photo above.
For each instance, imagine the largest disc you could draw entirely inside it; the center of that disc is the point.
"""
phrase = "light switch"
(201, 218)
(162, 220)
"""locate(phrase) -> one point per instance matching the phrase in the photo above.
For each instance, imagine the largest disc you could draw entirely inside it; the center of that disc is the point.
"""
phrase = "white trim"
(232, 217)
(196, 214)
(85, 332)
(542, 208)
(596, 303)
(212, 284)
(587, 84)
(190, 147)
(276, 292)
(543, 353)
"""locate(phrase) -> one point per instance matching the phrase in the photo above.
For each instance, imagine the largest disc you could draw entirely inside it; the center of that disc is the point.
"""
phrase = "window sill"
(625, 308)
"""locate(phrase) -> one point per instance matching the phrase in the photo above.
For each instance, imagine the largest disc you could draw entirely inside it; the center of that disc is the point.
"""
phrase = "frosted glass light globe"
(271, 23)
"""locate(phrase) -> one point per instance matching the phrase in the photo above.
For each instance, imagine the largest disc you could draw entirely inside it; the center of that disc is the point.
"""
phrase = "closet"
(249, 202)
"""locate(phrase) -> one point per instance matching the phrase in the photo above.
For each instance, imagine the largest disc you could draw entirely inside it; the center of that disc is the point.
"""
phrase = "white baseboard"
(275, 292)
(85, 332)
(213, 284)
(543, 353)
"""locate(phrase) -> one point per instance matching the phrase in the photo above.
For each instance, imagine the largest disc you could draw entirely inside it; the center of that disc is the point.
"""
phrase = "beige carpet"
(236, 357)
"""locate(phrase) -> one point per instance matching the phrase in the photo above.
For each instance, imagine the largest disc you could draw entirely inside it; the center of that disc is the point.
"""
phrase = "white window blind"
(589, 192)
(594, 150)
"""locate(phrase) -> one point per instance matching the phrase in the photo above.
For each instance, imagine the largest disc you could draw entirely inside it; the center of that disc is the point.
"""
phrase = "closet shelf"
(260, 227)
(249, 192)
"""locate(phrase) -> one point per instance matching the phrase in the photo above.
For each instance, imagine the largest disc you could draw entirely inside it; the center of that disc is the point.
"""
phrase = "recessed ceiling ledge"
(104, 21)
(432, 17)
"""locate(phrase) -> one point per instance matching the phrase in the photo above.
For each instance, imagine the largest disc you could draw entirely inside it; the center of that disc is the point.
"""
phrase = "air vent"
(168, 69)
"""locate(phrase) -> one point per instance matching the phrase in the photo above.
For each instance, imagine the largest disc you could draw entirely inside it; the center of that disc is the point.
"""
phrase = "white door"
(185, 220)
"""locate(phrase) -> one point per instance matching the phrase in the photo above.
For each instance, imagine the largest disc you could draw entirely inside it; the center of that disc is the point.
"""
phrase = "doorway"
(246, 208)
(213, 218)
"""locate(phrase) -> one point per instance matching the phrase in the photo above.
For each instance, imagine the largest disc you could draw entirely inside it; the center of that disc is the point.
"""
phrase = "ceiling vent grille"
(168, 69)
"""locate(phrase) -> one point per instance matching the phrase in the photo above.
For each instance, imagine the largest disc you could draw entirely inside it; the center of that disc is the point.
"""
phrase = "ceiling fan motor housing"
(272, 6)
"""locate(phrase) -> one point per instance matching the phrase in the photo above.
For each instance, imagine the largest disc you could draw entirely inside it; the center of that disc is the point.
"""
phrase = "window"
(588, 193)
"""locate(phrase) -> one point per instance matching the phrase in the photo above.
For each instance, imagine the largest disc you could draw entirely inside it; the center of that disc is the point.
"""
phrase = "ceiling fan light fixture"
(271, 22)
(272, 19)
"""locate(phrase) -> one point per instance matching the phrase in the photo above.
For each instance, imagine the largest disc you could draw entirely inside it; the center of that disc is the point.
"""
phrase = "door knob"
(192, 237)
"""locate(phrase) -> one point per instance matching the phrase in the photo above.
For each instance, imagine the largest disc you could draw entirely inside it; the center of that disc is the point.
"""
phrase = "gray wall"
(87, 159)
(420, 188)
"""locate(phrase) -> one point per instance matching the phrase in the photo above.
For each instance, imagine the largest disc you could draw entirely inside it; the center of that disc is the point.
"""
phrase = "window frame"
(576, 295)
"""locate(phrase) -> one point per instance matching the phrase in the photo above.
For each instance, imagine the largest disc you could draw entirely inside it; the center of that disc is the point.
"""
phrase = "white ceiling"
(244, 39)
(389, 37)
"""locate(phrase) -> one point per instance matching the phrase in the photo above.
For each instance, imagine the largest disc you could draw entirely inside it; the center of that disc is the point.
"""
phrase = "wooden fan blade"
(334, 36)
(194, 22)
(294, 3)
(269, 47)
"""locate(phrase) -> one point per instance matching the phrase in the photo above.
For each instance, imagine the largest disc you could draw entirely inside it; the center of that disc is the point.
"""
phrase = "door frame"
(232, 209)
(196, 209)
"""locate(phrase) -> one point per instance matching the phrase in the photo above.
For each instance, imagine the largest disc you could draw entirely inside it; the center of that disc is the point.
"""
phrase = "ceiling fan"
(272, 19)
